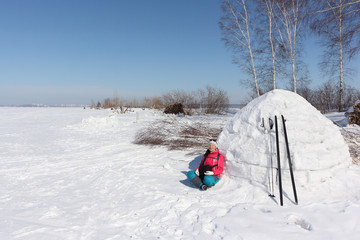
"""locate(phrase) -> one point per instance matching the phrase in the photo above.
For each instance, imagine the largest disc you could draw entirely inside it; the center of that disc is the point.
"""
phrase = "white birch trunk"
(250, 51)
(270, 10)
(341, 97)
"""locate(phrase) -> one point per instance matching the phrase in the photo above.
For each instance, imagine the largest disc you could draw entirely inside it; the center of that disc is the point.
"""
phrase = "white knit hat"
(213, 142)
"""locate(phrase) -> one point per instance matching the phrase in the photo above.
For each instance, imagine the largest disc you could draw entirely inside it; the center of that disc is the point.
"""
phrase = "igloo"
(316, 145)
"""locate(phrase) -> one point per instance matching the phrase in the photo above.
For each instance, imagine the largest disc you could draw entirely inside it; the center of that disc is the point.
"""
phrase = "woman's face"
(212, 147)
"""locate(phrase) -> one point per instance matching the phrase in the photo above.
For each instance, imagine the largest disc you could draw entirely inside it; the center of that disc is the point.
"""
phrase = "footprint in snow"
(262, 209)
(300, 222)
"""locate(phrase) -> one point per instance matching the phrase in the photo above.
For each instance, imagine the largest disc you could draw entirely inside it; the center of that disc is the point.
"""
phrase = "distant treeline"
(211, 100)
(326, 97)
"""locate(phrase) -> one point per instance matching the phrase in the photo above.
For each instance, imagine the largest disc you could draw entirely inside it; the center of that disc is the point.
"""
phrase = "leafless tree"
(351, 95)
(324, 97)
(267, 32)
(338, 22)
(107, 103)
(134, 103)
(290, 15)
(237, 32)
(115, 101)
(147, 102)
(157, 103)
(153, 102)
(303, 82)
(213, 100)
(92, 105)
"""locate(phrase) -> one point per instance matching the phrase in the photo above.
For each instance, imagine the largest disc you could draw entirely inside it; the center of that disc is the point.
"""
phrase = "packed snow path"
(70, 173)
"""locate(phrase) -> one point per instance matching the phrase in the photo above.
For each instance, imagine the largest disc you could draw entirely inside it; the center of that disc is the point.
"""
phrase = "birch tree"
(337, 21)
(270, 15)
(290, 15)
(266, 32)
(237, 32)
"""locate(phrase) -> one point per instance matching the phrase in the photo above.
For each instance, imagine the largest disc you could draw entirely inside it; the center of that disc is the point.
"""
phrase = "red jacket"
(211, 160)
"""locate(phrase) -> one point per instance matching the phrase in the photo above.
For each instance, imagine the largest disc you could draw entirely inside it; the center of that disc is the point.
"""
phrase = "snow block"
(316, 144)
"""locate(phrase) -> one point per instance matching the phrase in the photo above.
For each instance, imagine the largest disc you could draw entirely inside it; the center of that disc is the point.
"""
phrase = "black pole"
(289, 159)
(278, 160)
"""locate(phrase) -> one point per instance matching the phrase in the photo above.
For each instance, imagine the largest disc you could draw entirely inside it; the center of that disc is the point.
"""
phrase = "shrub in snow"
(175, 108)
(316, 144)
(178, 134)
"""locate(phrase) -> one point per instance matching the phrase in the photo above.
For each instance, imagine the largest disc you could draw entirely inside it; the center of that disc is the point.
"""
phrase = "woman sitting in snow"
(209, 171)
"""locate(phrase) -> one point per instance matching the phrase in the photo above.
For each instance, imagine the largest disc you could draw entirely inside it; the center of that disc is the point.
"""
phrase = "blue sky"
(62, 52)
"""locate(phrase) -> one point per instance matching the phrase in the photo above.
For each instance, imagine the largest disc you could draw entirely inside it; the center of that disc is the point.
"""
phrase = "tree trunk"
(293, 72)
(254, 72)
(270, 15)
(295, 24)
(250, 51)
(341, 91)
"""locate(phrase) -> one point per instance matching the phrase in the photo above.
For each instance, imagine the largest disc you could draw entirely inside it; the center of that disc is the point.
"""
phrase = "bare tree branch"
(337, 22)
(235, 26)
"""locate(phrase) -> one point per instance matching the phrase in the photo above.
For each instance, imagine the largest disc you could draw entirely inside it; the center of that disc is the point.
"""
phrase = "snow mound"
(99, 123)
(316, 144)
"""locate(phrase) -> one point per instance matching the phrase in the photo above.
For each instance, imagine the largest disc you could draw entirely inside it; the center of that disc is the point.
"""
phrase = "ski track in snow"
(75, 174)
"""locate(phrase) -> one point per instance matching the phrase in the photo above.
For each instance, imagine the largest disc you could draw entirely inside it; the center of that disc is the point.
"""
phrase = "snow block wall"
(317, 147)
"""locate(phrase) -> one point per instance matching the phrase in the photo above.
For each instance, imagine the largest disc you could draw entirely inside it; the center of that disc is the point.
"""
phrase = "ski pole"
(271, 124)
(289, 160)
(263, 126)
(278, 160)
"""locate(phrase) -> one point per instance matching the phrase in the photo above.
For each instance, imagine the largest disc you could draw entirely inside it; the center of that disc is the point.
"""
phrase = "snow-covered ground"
(72, 173)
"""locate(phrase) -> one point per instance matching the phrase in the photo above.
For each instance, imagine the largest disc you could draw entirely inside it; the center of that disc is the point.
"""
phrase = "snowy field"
(73, 173)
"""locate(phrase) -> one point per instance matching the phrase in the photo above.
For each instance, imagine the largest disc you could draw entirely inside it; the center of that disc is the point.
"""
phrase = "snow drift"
(316, 145)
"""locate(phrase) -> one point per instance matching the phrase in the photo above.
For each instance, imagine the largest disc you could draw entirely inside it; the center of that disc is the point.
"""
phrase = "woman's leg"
(195, 179)
(210, 180)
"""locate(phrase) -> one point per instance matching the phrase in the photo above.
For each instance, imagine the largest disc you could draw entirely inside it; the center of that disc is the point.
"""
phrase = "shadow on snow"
(192, 166)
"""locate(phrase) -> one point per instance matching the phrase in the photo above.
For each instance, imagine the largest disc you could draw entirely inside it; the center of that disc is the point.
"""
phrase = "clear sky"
(72, 51)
